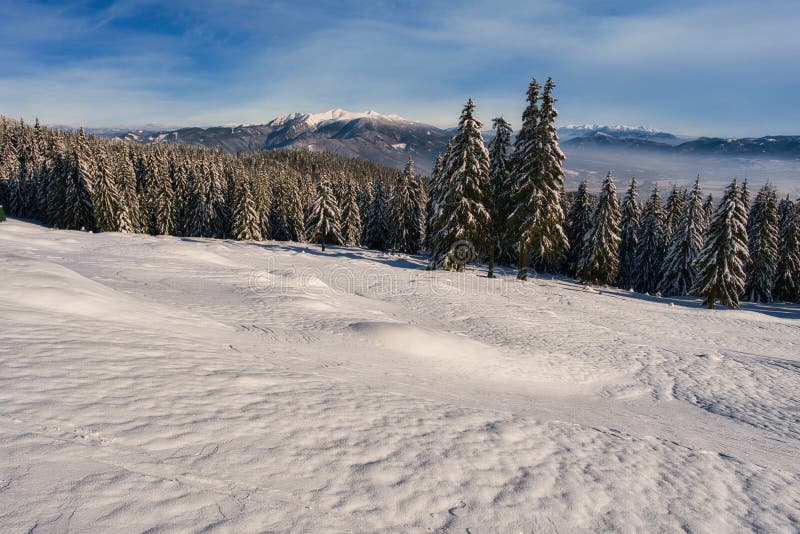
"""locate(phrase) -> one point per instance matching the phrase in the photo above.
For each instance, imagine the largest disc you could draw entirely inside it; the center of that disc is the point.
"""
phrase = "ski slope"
(166, 385)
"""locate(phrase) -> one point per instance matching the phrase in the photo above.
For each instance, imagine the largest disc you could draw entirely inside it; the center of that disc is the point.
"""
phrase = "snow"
(333, 115)
(615, 127)
(166, 384)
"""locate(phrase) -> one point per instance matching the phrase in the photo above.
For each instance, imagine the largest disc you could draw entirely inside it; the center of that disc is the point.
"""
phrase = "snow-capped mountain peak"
(603, 127)
(338, 114)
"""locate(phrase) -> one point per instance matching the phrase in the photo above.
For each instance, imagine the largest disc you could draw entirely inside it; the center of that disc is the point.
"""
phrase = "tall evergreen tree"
(498, 198)
(683, 249)
(579, 223)
(464, 217)
(629, 237)
(762, 245)
(164, 206)
(708, 210)
(351, 214)
(787, 275)
(199, 212)
(435, 204)
(746, 197)
(785, 207)
(673, 212)
(106, 196)
(323, 224)
(720, 266)
(288, 221)
(377, 234)
(601, 242)
(246, 221)
(536, 223)
(78, 207)
(405, 213)
(650, 246)
(550, 244)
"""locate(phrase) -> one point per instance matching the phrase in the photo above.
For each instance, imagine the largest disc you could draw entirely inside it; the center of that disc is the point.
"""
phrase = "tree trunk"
(491, 260)
(323, 245)
(524, 262)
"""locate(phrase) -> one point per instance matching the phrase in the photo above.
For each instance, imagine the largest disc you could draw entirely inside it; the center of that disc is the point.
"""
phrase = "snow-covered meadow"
(163, 384)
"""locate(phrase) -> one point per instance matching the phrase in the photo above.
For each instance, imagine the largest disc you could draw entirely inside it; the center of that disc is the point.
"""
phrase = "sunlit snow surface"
(163, 384)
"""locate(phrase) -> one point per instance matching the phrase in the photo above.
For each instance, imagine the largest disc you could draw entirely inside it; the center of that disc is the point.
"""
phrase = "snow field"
(163, 384)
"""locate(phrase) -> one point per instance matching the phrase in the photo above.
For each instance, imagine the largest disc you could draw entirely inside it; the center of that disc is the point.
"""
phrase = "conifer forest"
(507, 199)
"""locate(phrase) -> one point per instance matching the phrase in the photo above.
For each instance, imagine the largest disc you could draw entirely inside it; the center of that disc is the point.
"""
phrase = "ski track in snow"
(163, 384)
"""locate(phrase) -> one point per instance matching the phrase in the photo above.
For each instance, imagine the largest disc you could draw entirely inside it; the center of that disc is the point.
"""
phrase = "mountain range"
(390, 139)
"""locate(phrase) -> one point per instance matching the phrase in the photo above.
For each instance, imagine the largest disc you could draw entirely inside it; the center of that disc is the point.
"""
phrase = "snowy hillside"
(167, 384)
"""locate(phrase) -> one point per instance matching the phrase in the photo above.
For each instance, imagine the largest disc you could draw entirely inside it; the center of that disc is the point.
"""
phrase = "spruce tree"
(464, 217)
(683, 249)
(745, 197)
(107, 199)
(323, 224)
(78, 208)
(629, 237)
(787, 275)
(164, 206)
(377, 233)
(498, 197)
(785, 207)
(198, 211)
(351, 214)
(405, 214)
(287, 219)
(673, 212)
(762, 245)
(246, 221)
(536, 223)
(708, 210)
(433, 211)
(579, 223)
(601, 243)
(720, 266)
(125, 181)
(650, 246)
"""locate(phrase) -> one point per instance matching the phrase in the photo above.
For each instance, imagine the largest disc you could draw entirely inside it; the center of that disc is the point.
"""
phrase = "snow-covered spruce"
(498, 200)
(601, 243)
(246, 222)
(708, 211)
(351, 214)
(578, 224)
(78, 207)
(107, 201)
(323, 224)
(650, 246)
(405, 212)
(463, 215)
(377, 234)
(537, 221)
(673, 212)
(762, 244)
(629, 237)
(720, 266)
(679, 268)
(787, 275)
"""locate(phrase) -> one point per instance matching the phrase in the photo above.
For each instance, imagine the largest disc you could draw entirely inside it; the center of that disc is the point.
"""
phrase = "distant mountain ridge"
(390, 139)
(384, 139)
(784, 146)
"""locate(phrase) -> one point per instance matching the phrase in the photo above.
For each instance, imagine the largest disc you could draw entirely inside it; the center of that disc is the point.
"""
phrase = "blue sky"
(713, 67)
